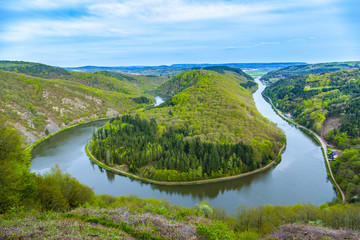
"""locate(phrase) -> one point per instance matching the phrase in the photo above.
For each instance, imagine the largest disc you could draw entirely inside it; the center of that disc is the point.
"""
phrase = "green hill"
(329, 104)
(276, 75)
(210, 112)
(125, 83)
(37, 105)
(183, 81)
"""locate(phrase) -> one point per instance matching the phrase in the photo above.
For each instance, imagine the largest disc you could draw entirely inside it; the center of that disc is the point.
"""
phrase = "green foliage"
(215, 108)
(347, 171)
(204, 208)
(16, 182)
(59, 191)
(308, 69)
(315, 99)
(217, 231)
(136, 143)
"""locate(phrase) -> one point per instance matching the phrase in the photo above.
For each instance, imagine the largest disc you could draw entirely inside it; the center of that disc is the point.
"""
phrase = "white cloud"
(24, 5)
(176, 10)
(127, 17)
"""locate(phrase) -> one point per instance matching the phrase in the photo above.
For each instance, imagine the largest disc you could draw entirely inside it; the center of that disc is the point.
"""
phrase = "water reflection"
(213, 190)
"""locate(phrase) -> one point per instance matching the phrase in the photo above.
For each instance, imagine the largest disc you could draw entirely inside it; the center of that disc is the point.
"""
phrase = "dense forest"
(329, 104)
(134, 142)
(318, 68)
(210, 128)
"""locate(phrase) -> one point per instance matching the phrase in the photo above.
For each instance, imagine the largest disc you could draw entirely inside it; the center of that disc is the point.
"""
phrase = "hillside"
(318, 68)
(125, 83)
(39, 106)
(210, 112)
(183, 81)
(329, 104)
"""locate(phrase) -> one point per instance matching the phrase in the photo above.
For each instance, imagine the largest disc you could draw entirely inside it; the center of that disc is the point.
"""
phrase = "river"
(299, 178)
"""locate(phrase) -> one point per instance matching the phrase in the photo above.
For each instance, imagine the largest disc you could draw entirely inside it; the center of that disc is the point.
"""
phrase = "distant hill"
(276, 75)
(39, 99)
(175, 69)
(126, 83)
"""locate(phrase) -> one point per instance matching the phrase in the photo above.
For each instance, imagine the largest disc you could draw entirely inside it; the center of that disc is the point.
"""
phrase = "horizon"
(69, 33)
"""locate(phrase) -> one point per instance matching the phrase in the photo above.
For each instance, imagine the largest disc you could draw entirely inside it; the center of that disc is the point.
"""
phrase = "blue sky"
(154, 32)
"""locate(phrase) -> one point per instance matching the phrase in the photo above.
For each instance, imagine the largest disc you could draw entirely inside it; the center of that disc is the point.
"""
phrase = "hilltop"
(303, 69)
(210, 112)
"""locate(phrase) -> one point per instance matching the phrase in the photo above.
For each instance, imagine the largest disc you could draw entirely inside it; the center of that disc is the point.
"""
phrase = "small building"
(334, 154)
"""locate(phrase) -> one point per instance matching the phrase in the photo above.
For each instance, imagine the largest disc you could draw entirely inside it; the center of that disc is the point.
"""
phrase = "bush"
(59, 191)
(204, 208)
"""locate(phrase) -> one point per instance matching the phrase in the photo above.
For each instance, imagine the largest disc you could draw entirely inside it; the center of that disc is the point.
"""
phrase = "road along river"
(299, 178)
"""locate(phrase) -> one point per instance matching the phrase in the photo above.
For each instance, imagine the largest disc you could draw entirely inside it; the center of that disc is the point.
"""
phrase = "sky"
(70, 33)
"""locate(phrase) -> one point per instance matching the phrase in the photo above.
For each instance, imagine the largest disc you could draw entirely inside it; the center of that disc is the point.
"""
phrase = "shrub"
(59, 191)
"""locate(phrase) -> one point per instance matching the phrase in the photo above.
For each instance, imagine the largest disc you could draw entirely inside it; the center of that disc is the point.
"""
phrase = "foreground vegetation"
(329, 104)
(210, 128)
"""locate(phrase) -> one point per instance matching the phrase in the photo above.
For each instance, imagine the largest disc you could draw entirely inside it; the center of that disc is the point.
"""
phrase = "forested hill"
(38, 106)
(183, 81)
(276, 75)
(125, 83)
(209, 129)
(329, 104)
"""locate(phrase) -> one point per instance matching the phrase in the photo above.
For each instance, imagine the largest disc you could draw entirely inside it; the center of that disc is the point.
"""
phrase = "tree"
(17, 185)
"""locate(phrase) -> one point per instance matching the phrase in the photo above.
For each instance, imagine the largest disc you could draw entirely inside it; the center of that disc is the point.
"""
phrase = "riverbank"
(29, 147)
(197, 182)
(320, 141)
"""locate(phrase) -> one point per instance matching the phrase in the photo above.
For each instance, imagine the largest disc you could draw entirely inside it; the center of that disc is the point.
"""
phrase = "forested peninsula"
(209, 128)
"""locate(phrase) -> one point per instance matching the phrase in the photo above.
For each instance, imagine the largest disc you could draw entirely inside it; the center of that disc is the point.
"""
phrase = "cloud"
(25, 5)
(116, 18)
(176, 10)
(130, 27)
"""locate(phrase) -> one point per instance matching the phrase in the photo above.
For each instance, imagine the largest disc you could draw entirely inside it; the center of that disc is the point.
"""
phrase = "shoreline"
(34, 144)
(319, 140)
(187, 183)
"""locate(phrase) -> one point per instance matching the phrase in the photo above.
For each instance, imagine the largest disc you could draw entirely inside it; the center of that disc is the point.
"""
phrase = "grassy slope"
(308, 69)
(32, 103)
(216, 108)
(134, 218)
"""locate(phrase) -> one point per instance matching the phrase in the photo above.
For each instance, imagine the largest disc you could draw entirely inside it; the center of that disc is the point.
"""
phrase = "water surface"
(299, 178)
